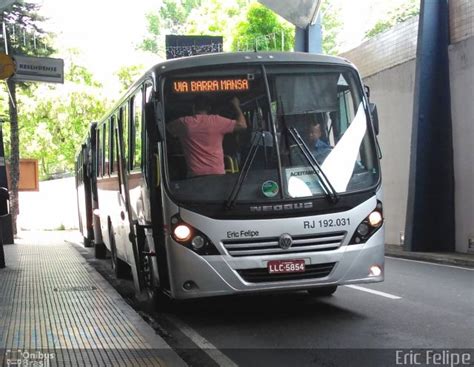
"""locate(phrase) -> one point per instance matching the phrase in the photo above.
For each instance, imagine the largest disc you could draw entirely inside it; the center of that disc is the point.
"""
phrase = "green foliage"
(262, 30)
(27, 37)
(399, 15)
(331, 26)
(216, 18)
(170, 18)
(80, 75)
(128, 74)
(55, 120)
(175, 13)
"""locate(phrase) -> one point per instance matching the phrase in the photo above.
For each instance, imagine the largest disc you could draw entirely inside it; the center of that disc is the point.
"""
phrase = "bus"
(280, 217)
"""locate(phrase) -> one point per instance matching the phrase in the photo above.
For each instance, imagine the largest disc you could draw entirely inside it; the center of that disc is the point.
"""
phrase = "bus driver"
(201, 136)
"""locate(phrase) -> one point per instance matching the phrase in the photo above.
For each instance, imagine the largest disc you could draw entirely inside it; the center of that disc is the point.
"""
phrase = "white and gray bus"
(290, 212)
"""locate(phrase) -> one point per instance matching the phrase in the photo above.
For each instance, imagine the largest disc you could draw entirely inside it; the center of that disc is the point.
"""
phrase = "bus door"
(123, 134)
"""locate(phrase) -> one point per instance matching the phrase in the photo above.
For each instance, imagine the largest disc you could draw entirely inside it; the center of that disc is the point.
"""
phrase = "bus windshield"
(306, 134)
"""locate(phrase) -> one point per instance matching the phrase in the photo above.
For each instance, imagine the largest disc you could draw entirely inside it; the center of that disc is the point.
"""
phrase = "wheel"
(322, 291)
(88, 242)
(100, 251)
(156, 299)
(120, 267)
(162, 303)
(151, 288)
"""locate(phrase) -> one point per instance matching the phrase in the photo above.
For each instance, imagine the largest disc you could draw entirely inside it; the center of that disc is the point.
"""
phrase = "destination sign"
(210, 85)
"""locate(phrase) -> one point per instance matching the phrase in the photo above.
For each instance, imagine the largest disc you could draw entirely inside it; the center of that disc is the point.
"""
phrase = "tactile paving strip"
(51, 304)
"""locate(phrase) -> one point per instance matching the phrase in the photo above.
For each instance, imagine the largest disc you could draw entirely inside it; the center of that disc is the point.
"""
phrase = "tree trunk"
(15, 154)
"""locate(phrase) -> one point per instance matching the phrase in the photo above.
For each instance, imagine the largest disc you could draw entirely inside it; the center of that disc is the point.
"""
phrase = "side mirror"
(375, 117)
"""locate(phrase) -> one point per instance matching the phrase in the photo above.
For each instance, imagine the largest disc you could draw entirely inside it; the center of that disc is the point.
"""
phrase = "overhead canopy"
(301, 13)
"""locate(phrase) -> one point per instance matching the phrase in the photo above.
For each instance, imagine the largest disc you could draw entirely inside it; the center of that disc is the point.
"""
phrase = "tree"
(216, 18)
(170, 18)
(128, 74)
(55, 119)
(24, 18)
(331, 26)
(399, 15)
(262, 29)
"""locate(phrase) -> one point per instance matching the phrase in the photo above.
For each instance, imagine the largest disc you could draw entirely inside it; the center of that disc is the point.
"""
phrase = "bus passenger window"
(124, 119)
(106, 147)
(111, 143)
(100, 152)
(114, 145)
(137, 131)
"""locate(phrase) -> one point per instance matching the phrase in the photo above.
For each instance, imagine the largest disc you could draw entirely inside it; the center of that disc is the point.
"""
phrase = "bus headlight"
(375, 219)
(368, 226)
(182, 233)
(192, 238)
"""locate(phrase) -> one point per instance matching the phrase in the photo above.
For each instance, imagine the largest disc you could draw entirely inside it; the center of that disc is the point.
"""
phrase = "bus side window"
(100, 152)
(147, 153)
(106, 143)
(124, 116)
(137, 133)
(113, 160)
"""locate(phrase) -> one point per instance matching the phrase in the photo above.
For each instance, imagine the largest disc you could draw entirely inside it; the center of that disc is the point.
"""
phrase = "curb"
(463, 260)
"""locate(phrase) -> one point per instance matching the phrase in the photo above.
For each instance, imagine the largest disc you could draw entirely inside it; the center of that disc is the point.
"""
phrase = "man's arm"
(241, 122)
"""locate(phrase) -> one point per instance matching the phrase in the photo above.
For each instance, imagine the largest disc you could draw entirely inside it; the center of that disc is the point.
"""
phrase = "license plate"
(285, 266)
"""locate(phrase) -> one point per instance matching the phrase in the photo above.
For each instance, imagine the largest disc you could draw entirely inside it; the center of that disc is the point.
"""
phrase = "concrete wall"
(54, 206)
(387, 65)
(392, 91)
(393, 47)
(461, 64)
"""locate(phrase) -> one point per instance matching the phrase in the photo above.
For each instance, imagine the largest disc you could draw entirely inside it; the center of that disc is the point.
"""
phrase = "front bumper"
(218, 275)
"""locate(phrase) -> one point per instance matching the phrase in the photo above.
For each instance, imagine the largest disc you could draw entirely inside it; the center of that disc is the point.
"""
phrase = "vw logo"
(285, 241)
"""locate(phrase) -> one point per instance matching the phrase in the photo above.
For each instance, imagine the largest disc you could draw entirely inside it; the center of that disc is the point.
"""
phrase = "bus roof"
(228, 58)
(231, 58)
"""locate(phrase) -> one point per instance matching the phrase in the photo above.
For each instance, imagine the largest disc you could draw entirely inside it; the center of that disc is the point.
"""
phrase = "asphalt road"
(419, 306)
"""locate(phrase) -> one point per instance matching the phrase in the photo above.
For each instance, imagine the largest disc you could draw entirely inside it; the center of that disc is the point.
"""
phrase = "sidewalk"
(56, 309)
(446, 258)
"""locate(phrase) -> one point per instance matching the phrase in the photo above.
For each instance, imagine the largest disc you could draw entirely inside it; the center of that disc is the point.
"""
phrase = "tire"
(322, 291)
(100, 251)
(162, 303)
(156, 299)
(87, 242)
(120, 267)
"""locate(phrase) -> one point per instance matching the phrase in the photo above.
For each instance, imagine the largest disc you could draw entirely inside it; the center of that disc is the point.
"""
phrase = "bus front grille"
(261, 275)
(270, 245)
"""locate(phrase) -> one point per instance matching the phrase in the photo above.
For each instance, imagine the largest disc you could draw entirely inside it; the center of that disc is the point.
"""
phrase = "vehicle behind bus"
(299, 206)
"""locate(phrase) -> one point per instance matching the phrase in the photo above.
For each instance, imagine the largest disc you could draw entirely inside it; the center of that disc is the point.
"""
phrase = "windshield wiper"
(329, 190)
(245, 170)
